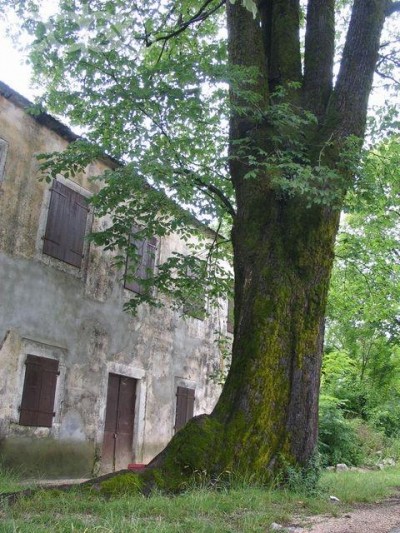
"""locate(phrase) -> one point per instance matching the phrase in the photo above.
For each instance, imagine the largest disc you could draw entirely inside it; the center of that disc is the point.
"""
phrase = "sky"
(13, 71)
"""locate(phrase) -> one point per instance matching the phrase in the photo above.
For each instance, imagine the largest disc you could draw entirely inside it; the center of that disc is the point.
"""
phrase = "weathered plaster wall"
(51, 309)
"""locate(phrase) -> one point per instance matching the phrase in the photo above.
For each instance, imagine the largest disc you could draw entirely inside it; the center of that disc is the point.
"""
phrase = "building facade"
(75, 369)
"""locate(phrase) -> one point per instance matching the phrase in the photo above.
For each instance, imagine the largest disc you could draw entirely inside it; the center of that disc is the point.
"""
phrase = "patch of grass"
(9, 479)
(251, 509)
(369, 486)
(240, 508)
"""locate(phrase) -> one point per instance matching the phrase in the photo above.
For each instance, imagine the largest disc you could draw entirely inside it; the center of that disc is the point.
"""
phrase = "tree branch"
(200, 16)
(280, 20)
(218, 193)
(319, 55)
(393, 7)
(349, 101)
(386, 76)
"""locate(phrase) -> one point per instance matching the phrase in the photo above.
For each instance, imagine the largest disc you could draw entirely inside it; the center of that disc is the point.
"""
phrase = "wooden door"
(118, 428)
(184, 406)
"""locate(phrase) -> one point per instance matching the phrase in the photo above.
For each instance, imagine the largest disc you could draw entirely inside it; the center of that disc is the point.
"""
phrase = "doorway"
(119, 423)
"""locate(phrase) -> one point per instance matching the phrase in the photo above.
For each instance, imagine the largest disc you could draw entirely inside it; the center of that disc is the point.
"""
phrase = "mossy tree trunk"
(266, 416)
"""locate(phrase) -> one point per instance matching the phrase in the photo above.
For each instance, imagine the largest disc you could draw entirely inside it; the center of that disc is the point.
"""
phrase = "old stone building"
(76, 370)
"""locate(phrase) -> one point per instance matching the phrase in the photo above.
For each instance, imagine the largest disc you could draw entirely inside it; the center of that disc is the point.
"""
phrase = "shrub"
(338, 439)
(387, 418)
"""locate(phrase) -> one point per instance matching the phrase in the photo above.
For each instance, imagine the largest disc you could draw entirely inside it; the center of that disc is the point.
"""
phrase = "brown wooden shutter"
(57, 218)
(149, 257)
(184, 406)
(66, 225)
(78, 212)
(146, 252)
(37, 405)
(133, 285)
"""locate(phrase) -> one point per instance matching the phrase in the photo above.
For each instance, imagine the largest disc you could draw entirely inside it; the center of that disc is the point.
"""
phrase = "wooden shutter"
(78, 212)
(37, 405)
(184, 406)
(57, 218)
(146, 252)
(66, 225)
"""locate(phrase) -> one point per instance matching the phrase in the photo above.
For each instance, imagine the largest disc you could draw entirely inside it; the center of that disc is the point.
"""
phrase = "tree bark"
(267, 415)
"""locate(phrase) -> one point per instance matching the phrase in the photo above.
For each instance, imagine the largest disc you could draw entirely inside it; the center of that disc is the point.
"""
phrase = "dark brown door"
(118, 428)
(184, 406)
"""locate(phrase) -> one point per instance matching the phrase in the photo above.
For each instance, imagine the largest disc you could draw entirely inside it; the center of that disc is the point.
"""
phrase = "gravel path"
(380, 518)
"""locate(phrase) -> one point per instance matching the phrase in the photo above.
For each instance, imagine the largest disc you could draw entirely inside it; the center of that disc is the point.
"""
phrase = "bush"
(338, 439)
(387, 419)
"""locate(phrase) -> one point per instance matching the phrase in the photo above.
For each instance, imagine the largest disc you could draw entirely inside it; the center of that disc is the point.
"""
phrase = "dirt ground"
(377, 518)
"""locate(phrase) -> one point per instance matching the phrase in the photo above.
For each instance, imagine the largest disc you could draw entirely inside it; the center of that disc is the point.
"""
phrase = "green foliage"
(301, 479)
(361, 365)
(159, 107)
(386, 417)
(293, 168)
(224, 345)
(338, 441)
(74, 159)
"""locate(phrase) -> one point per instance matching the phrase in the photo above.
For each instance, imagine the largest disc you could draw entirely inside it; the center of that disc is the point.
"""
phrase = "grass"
(371, 486)
(9, 480)
(240, 509)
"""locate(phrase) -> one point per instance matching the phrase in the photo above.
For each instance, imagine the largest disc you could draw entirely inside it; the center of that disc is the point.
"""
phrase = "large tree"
(148, 82)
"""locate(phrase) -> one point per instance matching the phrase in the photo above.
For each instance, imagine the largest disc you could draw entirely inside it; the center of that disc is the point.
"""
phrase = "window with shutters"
(184, 406)
(143, 267)
(37, 404)
(66, 225)
(195, 305)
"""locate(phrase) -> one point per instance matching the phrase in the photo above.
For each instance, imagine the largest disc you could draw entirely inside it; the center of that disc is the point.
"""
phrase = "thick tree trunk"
(283, 259)
(266, 417)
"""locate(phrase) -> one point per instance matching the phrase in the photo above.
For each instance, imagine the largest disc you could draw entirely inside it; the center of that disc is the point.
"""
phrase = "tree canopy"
(255, 125)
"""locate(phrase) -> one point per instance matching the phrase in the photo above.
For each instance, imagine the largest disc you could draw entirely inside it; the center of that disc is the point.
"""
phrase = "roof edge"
(42, 118)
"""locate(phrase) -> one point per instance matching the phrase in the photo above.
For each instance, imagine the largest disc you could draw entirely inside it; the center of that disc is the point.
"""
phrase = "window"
(66, 225)
(3, 156)
(184, 406)
(230, 317)
(38, 395)
(146, 255)
(195, 301)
